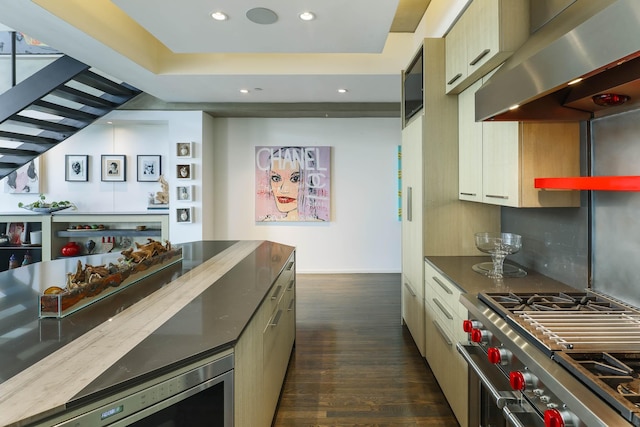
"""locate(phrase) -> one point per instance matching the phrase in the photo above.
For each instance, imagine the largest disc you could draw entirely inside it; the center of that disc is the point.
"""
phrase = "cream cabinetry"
(498, 161)
(263, 351)
(470, 142)
(434, 220)
(486, 34)
(443, 329)
(278, 337)
(412, 230)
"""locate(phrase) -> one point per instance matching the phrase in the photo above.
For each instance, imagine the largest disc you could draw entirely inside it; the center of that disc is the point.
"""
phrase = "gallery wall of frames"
(149, 164)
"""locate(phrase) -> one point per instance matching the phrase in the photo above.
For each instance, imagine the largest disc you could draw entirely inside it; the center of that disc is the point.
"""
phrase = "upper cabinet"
(499, 161)
(486, 34)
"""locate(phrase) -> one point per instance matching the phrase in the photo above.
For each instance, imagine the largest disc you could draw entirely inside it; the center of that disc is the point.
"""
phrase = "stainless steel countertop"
(210, 323)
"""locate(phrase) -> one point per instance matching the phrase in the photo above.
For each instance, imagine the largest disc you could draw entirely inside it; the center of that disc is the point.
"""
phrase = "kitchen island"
(204, 306)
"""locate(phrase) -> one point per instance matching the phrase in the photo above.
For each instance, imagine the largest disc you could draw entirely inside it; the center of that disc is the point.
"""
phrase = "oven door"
(492, 403)
(209, 404)
(200, 396)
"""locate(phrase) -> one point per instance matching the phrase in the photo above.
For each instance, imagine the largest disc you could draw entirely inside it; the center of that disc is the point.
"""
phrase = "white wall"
(362, 236)
(364, 232)
(130, 134)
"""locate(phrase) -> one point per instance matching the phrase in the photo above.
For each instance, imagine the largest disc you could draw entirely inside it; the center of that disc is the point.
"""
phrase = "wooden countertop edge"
(54, 380)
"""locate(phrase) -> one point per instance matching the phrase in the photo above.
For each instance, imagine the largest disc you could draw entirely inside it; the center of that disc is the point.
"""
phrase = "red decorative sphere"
(71, 249)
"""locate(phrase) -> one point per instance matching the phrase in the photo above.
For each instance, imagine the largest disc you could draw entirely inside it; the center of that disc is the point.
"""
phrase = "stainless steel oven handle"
(511, 417)
(502, 398)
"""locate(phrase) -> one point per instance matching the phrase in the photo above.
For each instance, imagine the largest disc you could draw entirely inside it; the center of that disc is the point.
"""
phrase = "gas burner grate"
(613, 376)
(552, 301)
(605, 330)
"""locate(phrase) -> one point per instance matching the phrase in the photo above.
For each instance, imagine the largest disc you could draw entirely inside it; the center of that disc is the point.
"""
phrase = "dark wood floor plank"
(354, 363)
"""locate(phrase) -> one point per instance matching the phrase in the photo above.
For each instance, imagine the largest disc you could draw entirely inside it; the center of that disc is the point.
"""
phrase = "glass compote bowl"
(498, 245)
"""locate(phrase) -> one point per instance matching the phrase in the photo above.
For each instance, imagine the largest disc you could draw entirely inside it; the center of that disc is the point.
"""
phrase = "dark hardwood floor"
(354, 364)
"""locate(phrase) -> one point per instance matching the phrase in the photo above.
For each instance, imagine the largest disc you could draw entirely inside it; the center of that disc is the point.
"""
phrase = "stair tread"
(80, 97)
(39, 93)
(41, 124)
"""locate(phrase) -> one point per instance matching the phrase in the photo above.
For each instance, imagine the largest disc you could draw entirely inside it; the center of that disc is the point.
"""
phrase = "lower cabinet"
(443, 329)
(263, 351)
(413, 312)
(277, 342)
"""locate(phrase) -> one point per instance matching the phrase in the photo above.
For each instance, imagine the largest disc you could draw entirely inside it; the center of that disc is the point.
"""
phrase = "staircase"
(52, 105)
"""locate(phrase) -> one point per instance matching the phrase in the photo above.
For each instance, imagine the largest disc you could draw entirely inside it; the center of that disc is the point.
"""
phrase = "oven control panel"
(521, 379)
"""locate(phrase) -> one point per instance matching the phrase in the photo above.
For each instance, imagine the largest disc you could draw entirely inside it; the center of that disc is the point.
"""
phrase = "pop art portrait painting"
(293, 184)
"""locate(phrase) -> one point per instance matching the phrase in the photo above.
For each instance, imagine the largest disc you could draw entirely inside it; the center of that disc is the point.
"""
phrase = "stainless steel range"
(553, 359)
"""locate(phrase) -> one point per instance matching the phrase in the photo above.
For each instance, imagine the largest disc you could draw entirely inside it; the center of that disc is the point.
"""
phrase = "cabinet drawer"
(284, 282)
(442, 286)
(448, 292)
(442, 313)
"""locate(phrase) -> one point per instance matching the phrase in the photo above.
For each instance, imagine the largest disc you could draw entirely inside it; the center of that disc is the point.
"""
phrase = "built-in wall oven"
(199, 395)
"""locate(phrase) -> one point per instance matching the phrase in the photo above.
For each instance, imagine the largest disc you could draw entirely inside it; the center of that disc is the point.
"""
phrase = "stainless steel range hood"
(596, 40)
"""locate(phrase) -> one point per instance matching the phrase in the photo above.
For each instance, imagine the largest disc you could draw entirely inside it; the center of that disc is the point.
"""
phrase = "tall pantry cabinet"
(434, 221)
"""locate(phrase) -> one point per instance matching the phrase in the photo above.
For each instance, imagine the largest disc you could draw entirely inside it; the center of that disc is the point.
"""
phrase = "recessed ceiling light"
(514, 107)
(342, 91)
(244, 90)
(219, 16)
(307, 16)
(572, 82)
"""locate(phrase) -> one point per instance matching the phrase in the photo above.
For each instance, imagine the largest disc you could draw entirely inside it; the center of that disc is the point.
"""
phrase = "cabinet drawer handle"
(289, 266)
(291, 304)
(291, 283)
(442, 333)
(408, 286)
(444, 310)
(442, 285)
(479, 57)
(496, 196)
(276, 292)
(276, 319)
(468, 194)
(456, 77)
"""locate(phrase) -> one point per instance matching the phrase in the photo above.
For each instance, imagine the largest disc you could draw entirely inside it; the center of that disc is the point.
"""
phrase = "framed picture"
(17, 233)
(184, 149)
(184, 171)
(114, 167)
(76, 167)
(184, 193)
(24, 180)
(149, 167)
(184, 215)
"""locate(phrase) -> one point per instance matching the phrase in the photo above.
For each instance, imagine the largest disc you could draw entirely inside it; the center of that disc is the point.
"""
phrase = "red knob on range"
(553, 418)
(517, 380)
(467, 325)
(494, 355)
(480, 336)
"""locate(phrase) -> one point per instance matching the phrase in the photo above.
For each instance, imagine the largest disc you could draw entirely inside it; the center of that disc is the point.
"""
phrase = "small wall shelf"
(150, 232)
(595, 183)
(57, 231)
